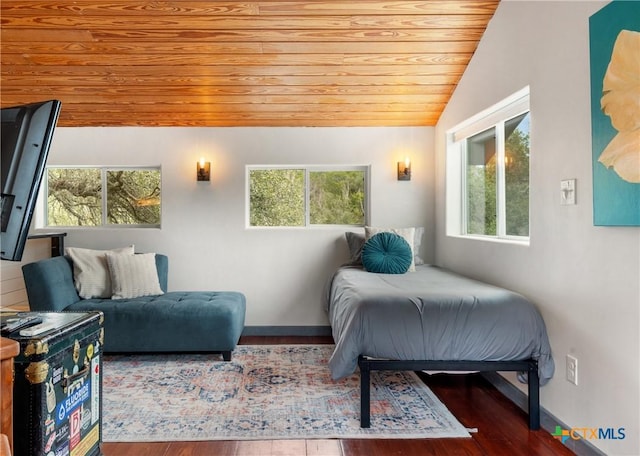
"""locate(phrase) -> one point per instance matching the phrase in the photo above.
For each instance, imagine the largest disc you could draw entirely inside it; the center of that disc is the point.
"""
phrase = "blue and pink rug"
(265, 392)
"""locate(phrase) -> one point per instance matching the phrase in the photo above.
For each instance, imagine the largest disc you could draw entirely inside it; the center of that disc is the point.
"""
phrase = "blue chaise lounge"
(177, 321)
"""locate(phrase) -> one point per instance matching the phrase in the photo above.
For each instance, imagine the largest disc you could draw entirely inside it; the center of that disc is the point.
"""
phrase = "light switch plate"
(568, 192)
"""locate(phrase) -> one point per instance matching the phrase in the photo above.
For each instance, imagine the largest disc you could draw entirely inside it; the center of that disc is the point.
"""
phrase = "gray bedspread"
(431, 314)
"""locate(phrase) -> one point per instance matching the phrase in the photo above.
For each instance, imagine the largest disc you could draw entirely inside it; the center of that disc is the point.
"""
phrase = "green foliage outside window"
(337, 197)
(76, 196)
(279, 197)
(517, 176)
(133, 197)
(482, 180)
(276, 197)
(481, 184)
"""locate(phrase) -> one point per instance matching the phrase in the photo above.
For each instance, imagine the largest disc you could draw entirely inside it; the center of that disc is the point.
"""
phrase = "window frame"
(43, 219)
(307, 214)
(456, 161)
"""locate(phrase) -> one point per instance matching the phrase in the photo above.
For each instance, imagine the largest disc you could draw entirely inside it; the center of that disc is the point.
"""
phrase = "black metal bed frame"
(368, 364)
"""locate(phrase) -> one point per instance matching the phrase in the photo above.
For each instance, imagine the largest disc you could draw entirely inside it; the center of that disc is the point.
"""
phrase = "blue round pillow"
(386, 253)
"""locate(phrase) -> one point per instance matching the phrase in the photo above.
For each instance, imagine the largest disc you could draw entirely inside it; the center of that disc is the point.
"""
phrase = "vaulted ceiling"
(225, 63)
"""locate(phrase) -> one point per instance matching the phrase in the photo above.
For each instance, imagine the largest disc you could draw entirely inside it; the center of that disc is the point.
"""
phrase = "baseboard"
(286, 331)
(548, 422)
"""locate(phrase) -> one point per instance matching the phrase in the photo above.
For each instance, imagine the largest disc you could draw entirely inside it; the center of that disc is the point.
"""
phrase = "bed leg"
(534, 397)
(365, 393)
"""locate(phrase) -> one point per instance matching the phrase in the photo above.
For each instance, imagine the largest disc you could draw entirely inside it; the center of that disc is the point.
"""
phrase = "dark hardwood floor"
(502, 428)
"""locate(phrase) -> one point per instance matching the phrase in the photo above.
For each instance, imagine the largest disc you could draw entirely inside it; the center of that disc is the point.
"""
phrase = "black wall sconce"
(404, 170)
(203, 170)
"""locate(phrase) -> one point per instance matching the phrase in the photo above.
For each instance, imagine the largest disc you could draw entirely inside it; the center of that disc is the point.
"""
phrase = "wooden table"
(9, 349)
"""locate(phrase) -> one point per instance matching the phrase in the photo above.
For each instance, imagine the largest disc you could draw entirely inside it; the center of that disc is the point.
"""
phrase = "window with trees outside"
(488, 160)
(307, 195)
(103, 196)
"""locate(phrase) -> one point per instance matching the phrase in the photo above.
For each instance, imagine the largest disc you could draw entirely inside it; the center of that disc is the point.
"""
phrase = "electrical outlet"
(572, 370)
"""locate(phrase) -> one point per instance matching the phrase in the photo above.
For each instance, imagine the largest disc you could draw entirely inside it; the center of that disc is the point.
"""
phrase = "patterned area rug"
(265, 392)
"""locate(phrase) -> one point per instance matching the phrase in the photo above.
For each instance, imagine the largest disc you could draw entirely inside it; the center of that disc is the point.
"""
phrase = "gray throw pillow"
(133, 276)
(91, 272)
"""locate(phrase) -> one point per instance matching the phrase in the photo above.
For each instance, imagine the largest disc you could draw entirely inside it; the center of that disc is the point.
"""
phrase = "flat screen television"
(26, 136)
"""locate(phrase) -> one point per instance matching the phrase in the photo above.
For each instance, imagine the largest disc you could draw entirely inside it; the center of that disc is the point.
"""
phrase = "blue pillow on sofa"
(386, 253)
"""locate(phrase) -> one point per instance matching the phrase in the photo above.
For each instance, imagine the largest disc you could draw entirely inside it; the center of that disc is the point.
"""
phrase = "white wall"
(584, 279)
(281, 271)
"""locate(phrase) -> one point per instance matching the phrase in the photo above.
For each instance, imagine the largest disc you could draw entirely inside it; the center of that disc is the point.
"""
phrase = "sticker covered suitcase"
(58, 387)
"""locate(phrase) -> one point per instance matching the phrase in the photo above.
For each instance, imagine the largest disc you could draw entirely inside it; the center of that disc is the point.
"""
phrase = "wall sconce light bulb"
(404, 170)
(203, 170)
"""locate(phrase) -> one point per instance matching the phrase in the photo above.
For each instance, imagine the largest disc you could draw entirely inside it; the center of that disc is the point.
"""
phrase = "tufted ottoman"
(179, 321)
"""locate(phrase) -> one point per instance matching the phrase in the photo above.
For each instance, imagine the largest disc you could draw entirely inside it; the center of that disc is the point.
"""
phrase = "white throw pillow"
(90, 271)
(417, 242)
(407, 233)
(133, 276)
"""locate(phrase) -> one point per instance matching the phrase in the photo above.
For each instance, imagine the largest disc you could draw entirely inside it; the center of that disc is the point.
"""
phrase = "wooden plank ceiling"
(253, 63)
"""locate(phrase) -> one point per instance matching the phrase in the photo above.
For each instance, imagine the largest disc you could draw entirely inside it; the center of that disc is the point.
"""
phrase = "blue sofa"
(177, 321)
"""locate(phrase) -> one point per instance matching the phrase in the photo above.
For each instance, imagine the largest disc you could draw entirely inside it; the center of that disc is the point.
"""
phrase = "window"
(91, 197)
(307, 195)
(488, 172)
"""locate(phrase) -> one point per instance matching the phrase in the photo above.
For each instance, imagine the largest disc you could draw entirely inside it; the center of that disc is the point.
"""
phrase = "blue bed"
(435, 319)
